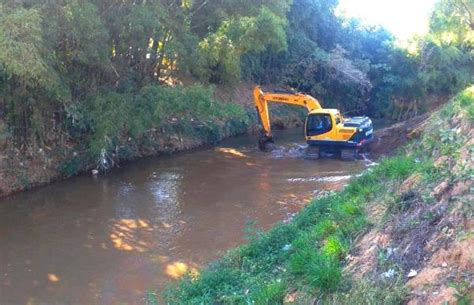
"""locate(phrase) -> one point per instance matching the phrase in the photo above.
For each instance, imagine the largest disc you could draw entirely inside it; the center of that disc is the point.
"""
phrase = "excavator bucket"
(266, 143)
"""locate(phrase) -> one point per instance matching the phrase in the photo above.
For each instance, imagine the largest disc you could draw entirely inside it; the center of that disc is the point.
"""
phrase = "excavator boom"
(263, 98)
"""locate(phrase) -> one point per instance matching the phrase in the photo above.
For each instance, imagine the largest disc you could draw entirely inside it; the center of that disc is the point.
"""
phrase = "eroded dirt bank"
(388, 139)
(21, 171)
(424, 237)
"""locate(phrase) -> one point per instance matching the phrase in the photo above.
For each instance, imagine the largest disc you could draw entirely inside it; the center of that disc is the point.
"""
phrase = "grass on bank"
(308, 253)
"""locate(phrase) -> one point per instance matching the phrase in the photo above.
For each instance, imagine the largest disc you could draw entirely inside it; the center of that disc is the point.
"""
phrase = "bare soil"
(388, 139)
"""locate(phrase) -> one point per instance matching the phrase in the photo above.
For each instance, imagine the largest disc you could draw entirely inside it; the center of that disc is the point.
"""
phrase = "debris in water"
(95, 172)
(368, 161)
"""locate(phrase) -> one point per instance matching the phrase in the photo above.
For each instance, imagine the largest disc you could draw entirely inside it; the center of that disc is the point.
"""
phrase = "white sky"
(403, 18)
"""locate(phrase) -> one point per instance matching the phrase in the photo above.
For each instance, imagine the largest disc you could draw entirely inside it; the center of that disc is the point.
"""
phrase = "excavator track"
(349, 154)
(312, 153)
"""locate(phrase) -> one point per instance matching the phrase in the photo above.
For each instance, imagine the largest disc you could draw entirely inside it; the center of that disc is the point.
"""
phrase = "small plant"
(462, 292)
(334, 247)
(270, 294)
(317, 269)
(251, 232)
(71, 167)
(466, 101)
(324, 228)
(105, 161)
(151, 298)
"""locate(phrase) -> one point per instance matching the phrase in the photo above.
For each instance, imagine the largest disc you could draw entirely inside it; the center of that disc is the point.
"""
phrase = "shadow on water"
(106, 240)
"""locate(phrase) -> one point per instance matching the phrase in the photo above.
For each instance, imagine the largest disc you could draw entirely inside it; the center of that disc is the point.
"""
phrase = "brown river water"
(110, 239)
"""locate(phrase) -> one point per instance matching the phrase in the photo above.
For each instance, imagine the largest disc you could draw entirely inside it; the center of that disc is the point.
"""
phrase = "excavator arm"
(261, 103)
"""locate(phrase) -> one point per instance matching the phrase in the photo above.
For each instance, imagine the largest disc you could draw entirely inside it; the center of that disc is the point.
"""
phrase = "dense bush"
(190, 111)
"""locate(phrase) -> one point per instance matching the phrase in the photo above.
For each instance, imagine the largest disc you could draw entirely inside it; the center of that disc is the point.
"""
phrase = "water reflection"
(164, 187)
(175, 270)
(53, 277)
(231, 152)
(127, 234)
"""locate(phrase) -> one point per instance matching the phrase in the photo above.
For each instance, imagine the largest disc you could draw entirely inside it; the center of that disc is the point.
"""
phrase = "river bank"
(197, 118)
(24, 168)
(19, 172)
(399, 233)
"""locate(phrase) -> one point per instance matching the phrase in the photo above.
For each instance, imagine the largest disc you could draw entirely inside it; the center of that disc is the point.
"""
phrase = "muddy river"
(110, 239)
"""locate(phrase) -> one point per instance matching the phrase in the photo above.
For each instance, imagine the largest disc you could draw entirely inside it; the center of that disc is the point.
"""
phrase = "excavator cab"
(318, 123)
(326, 130)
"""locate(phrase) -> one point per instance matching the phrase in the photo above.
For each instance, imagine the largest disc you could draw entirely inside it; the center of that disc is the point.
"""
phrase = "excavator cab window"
(317, 124)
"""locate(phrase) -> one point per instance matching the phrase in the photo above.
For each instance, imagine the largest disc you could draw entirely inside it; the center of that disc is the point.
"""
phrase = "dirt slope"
(388, 139)
(425, 238)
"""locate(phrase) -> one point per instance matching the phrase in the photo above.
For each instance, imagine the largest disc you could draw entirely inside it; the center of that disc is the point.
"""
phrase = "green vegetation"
(465, 100)
(115, 123)
(190, 111)
(308, 253)
(93, 73)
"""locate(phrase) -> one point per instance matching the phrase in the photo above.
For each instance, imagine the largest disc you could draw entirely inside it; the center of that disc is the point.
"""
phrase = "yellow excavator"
(326, 130)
